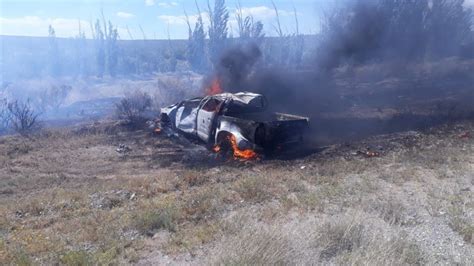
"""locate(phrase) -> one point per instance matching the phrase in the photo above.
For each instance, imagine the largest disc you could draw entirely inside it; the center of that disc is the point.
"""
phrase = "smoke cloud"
(377, 56)
(236, 65)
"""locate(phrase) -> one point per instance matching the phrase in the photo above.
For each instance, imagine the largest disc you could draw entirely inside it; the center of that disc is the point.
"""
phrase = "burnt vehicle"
(237, 120)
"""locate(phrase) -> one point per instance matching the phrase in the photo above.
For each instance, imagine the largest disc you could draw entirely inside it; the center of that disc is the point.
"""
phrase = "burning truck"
(235, 122)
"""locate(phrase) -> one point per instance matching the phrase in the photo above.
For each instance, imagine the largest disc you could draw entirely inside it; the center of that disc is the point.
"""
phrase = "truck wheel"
(165, 121)
(225, 147)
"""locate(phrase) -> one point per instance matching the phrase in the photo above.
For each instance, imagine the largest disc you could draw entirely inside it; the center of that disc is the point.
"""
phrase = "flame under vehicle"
(235, 121)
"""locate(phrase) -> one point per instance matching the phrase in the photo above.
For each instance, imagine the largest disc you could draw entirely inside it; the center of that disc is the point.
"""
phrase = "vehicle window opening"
(189, 107)
(212, 105)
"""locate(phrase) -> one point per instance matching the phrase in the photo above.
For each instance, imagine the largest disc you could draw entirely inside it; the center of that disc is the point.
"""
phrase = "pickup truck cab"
(243, 115)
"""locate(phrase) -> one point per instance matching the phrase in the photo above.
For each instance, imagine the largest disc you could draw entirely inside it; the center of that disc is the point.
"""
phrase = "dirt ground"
(102, 194)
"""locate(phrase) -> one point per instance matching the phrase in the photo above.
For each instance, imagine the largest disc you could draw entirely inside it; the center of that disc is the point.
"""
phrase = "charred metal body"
(213, 119)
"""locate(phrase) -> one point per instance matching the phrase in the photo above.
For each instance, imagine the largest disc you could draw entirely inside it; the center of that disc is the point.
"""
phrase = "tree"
(99, 48)
(53, 54)
(5, 115)
(373, 31)
(169, 61)
(218, 18)
(298, 43)
(249, 30)
(107, 51)
(406, 37)
(81, 57)
(449, 27)
(197, 44)
(112, 49)
(282, 52)
(394, 30)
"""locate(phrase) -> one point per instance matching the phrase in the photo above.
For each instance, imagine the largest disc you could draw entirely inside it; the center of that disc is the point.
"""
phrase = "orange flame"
(238, 153)
(247, 154)
(371, 154)
(215, 87)
(216, 148)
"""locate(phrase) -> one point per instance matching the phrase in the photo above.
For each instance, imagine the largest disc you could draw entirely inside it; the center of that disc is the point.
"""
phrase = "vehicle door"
(206, 117)
(186, 116)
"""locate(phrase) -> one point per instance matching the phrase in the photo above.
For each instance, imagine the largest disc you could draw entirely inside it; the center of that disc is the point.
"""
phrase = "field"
(101, 194)
(385, 175)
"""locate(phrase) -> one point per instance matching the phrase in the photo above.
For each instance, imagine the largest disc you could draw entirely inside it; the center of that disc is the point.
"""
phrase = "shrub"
(134, 106)
(53, 97)
(204, 205)
(254, 188)
(22, 117)
(22, 259)
(76, 258)
(464, 228)
(170, 90)
(459, 219)
(151, 221)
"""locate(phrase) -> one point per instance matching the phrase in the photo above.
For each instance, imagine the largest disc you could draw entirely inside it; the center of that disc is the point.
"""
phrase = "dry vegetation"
(69, 196)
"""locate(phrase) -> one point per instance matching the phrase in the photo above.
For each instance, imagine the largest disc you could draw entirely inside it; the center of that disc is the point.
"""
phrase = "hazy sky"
(155, 17)
(31, 18)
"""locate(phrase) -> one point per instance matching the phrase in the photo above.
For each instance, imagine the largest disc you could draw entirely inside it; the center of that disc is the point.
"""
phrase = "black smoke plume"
(379, 55)
(236, 65)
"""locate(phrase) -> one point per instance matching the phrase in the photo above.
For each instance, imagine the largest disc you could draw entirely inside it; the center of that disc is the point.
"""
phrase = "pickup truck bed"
(275, 130)
(266, 116)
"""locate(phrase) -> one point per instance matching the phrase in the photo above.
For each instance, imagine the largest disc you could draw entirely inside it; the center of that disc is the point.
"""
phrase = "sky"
(150, 19)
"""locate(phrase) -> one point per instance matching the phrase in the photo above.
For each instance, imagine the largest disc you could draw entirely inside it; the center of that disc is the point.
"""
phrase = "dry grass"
(67, 197)
(149, 222)
(461, 219)
(350, 238)
(256, 245)
(255, 188)
(204, 204)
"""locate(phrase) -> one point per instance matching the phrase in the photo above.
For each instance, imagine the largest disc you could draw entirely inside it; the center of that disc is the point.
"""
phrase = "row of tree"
(204, 46)
(359, 32)
(406, 30)
(105, 37)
